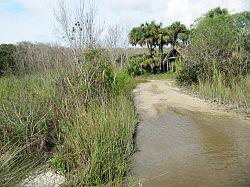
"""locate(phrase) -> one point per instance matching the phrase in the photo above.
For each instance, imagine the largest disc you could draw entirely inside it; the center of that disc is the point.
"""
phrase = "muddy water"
(181, 147)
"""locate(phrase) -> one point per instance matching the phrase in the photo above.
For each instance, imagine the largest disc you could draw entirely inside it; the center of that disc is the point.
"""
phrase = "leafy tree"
(149, 36)
(134, 67)
(135, 36)
(242, 21)
(218, 47)
(216, 12)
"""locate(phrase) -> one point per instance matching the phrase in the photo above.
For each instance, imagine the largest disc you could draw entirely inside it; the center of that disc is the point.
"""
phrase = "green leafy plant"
(7, 58)
(134, 66)
(219, 55)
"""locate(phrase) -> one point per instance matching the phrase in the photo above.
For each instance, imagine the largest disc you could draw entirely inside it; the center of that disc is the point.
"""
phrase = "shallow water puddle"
(180, 147)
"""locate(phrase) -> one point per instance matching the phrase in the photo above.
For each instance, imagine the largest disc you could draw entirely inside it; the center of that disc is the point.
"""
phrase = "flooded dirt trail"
(185, 141)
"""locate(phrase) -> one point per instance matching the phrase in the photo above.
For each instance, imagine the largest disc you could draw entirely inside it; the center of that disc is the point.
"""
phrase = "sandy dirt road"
(185, 141)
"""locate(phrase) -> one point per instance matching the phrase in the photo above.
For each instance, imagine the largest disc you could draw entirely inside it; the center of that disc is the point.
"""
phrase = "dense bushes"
(187, 74)
(139, 65)
(219, 53)
(134, 66)
(7, 58)
(152, 64)
(28, 58)
(218, 43)
(33, 58)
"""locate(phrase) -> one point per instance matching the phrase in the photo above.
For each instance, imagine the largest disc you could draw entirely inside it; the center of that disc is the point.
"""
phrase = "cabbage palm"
(178, 31)
(145, 35)
(164, 37)
(153, 35)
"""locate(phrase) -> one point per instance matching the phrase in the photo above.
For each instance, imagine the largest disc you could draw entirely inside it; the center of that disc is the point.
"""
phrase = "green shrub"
(123, 82)
(217, 42)
(134, 66)
(219, 56)
(187, 74)
(151, 65)
(108, 74)
(7, 60)
(139, 65)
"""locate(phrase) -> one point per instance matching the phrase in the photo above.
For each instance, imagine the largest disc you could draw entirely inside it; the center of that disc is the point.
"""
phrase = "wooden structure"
(168, 60)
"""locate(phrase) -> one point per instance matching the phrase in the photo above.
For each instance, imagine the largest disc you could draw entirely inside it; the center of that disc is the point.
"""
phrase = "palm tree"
(135, 36)
(145, 35)
(155, 35)
(164, 37)
(177, 31)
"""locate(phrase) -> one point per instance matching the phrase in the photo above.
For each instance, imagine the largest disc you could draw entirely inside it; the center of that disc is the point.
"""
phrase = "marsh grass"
(216, 85)
(237, 94)
(98, 142)
(79, 119)
(25, 113)
(16, 164)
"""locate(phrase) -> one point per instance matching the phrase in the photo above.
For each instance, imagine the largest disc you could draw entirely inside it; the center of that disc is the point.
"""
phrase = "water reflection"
(184, 148)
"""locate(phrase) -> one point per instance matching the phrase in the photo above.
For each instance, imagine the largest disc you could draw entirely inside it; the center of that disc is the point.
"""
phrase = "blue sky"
(32, 20)
(11, 7)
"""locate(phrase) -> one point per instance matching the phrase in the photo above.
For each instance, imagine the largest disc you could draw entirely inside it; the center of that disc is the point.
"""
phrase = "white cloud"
(36, 23)
(188, 10)
(146, 6)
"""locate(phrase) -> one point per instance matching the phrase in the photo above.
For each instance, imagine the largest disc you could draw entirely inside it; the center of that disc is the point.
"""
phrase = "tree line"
(152, 35)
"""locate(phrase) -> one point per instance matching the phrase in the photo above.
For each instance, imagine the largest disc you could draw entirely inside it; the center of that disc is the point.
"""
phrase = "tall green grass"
(213, 84)
(223, 90)
(97, 142)
(236, 94)
(16, 163)
(80, 119)
(26, 108)
(25, 114)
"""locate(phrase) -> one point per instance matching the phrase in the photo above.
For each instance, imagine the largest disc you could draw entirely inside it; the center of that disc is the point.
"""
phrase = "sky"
(33, 20)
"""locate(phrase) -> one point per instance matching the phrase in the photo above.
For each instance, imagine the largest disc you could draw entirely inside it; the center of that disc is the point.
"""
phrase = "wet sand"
(185, 141)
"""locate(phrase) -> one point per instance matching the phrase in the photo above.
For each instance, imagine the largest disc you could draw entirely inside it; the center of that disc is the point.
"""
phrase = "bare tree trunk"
(112, 39)
(80, 31)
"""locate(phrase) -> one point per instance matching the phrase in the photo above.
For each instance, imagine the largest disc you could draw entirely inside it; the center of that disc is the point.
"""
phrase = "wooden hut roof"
(183, 52)
(178, 52)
